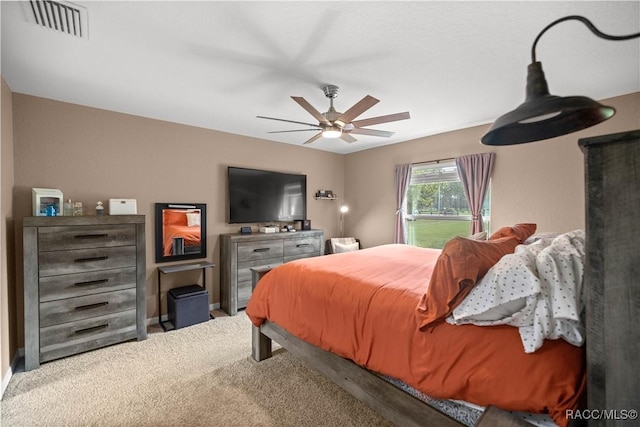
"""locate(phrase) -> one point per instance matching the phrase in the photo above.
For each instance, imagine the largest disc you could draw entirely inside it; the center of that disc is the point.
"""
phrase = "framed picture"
(47, 202)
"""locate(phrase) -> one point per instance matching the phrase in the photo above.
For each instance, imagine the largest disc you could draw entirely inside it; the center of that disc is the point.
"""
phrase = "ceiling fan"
(334, 124)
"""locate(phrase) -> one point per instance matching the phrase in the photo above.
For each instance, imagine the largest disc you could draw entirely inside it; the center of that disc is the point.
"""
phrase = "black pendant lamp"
(544, 116)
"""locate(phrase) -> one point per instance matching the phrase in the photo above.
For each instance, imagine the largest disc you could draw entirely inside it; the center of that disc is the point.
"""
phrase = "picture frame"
(43, 198)
(181, 231)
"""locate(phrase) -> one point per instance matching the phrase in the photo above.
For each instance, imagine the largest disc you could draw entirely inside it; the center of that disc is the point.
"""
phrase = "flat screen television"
(260, 196)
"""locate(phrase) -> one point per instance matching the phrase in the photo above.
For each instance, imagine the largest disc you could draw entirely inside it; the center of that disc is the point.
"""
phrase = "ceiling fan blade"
(296, 130)
(360, 107)
(289, 121)
(313, 138)
(372, 132)
(347, 138)
(382, 119)
(315, 113)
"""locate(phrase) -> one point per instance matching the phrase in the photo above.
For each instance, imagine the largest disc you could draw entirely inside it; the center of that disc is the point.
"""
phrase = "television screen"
(265, 196)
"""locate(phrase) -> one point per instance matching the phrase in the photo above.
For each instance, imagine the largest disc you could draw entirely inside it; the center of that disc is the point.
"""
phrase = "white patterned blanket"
(537, 289)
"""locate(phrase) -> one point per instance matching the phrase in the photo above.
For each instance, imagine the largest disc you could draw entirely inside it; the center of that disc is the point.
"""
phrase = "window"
(436, 207)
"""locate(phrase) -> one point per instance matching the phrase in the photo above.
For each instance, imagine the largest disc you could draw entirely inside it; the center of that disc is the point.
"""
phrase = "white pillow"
(540, 236)
(479, 236)
(342, 241)
(502, 291)
(346, 247)
(501, 311)
(193, 219)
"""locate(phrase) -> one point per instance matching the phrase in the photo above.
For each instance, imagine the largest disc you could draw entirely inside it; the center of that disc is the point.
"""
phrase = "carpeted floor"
(202, 375)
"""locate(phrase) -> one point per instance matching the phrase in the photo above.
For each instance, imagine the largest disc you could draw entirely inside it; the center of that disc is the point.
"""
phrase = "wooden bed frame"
(391, 402)
(612, 292)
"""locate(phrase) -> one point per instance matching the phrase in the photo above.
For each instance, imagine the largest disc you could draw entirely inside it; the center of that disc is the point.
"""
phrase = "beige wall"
(542, 182)
(93, 154)
(8, 331)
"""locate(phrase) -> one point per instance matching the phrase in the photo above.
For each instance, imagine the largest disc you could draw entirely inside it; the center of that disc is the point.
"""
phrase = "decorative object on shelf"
(181, 231)
(122, 207)
(68, 208)
(544, 116)
(77, 209)
(99, 208)
(47, 202)
(51, 210)
(269, 229)
(325, 195)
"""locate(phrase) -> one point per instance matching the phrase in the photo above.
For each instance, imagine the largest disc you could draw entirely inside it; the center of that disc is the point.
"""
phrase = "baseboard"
(13, 368)
(165, 317)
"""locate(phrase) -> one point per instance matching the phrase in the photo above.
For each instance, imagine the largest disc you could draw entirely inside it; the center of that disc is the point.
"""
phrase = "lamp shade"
(544, 116)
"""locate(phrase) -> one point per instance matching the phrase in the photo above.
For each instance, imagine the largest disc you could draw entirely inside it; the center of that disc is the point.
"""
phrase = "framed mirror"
(181, 231)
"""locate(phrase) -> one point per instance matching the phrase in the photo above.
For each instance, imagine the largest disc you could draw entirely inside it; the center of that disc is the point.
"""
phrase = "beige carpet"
(202, 375)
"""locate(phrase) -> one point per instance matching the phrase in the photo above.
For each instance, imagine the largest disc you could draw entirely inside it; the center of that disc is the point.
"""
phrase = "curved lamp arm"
(544, 116)
(589, 25)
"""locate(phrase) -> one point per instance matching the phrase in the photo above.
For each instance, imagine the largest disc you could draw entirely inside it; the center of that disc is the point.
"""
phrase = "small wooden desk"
(174, 269)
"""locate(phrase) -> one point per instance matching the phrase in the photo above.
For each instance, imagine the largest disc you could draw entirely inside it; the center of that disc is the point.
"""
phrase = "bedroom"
(130, 156)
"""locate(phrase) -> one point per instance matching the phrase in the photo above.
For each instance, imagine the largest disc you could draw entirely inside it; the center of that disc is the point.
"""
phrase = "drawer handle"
(91, 236)
(90, 306)
(95, 258)
(261, 249)
(92, 329)
(303, 245)
(91, 282)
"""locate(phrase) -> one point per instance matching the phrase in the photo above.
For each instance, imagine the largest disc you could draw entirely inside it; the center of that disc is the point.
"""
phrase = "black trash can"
(188, 305)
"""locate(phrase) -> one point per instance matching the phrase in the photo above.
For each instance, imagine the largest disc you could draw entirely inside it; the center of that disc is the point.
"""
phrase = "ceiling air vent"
(61, 16)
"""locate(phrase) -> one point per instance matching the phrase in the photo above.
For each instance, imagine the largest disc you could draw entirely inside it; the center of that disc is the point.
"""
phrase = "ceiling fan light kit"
(544, 116)
(334, 124)
(331, 132)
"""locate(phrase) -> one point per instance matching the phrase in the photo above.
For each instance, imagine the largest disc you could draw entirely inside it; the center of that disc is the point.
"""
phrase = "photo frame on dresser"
(181, 231)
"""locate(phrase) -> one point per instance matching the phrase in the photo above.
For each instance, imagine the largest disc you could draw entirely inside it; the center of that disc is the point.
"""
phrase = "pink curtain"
(474, 171)
(403, 176)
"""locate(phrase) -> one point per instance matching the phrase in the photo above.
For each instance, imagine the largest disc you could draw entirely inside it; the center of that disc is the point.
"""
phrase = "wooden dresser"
(612, 284)
(84, 284)
(240, 252)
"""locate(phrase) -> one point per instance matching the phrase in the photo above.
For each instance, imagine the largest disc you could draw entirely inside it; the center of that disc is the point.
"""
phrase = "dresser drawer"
(85, 260)
(305, 246)
(75, 337)
(244, 268)
(92, 236)
(78, 308)
(244, 293)
(79, 284)
(263, 249)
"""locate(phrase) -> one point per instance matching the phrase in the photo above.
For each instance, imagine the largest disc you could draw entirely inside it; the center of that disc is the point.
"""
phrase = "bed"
(372, 320)
(181, 231)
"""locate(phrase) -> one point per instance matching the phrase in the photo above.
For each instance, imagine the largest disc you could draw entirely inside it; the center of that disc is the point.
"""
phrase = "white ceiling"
(218, 65)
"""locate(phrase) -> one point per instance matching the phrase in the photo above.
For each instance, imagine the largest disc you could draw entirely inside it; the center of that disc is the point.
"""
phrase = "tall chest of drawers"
(84, 284)
(240, 252)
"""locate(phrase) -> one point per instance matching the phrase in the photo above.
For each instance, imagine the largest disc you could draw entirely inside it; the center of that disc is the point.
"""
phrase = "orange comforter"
(362, 306)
